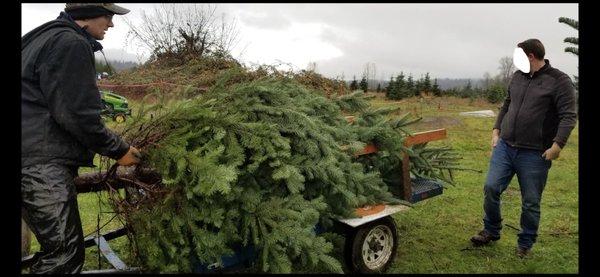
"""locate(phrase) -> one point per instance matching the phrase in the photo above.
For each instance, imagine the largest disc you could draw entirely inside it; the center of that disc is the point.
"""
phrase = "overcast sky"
(446, 40)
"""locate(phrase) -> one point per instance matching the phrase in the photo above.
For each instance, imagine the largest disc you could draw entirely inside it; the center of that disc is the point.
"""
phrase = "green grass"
(434, 234)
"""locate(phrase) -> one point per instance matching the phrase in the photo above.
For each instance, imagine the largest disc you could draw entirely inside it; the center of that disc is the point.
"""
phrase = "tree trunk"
(91, 182)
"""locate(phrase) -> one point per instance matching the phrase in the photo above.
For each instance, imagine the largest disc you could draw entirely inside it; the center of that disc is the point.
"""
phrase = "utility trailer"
(371, 238)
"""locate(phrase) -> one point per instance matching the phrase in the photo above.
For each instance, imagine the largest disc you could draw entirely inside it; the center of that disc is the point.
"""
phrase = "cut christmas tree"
(260, 161)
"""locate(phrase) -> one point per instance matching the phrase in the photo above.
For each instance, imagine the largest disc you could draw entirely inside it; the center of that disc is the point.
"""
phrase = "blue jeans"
(532, 172)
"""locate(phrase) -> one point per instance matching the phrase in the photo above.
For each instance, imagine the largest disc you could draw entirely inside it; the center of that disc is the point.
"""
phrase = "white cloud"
(299, 44)
(33, 15)
(263, 20)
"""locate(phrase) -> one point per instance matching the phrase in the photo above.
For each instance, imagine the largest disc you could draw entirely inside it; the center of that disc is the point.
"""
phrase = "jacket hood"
(63, 21)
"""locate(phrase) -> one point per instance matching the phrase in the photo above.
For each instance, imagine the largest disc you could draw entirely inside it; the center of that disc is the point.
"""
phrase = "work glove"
(132, 157)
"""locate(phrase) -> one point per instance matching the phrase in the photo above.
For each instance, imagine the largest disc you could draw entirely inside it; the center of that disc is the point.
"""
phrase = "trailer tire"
(119, 118)
(371, 248)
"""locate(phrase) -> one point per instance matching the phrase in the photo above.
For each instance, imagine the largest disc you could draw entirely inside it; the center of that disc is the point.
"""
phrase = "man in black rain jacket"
(61, 129)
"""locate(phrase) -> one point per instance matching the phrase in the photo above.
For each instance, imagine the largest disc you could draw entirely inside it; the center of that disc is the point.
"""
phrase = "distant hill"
(113, 54)
(122, 65)
(119, 66)
(447, 83)
(119, 59)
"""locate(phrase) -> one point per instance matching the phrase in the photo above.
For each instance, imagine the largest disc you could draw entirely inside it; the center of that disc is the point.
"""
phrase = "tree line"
(114, 66)
(492, 88)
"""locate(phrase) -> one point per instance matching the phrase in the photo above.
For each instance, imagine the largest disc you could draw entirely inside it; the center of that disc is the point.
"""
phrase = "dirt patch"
(136, 92)
(436, 122)
(139, 91)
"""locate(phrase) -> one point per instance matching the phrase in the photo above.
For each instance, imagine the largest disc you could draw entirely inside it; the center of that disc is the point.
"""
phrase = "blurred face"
(521, 60)
(98, 26)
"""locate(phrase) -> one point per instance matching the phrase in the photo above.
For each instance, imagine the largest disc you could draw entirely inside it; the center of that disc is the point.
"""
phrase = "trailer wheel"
(371, 248)
(119, 118)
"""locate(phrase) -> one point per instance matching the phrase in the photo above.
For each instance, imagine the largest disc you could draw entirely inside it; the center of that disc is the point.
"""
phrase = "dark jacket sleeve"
(565, 101)
(68, 83)
(503, 111)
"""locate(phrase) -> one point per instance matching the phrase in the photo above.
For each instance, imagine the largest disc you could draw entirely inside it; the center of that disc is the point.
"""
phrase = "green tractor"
(114, 106)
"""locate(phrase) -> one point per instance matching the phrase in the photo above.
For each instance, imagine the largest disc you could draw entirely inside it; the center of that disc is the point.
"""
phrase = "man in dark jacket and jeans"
(532, 127)
(61, 129)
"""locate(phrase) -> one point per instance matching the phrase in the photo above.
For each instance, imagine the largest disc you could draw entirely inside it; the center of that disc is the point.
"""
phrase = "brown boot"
(483, 238)
(523, 252)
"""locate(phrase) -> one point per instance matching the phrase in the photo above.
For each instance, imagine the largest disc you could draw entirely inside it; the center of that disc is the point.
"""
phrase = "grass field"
(434, 234)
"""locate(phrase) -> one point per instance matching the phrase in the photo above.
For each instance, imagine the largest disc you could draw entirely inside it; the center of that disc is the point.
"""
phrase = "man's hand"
(131, 157)
(552, 152)
(495, 136)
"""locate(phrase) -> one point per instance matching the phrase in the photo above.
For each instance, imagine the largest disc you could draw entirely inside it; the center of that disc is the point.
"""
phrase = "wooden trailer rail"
(414, 139)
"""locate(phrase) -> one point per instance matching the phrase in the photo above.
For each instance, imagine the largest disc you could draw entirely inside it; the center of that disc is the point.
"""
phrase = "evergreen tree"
(467, 90)
(478, 92)
(410, 85)
(403, 90)
(391, 91)
(495, 93)
(364, 85)
(572, 40)
(354, 84)
(418, 86)
(401, 83)
(426, 85)
(436, 88)
(103, 67)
